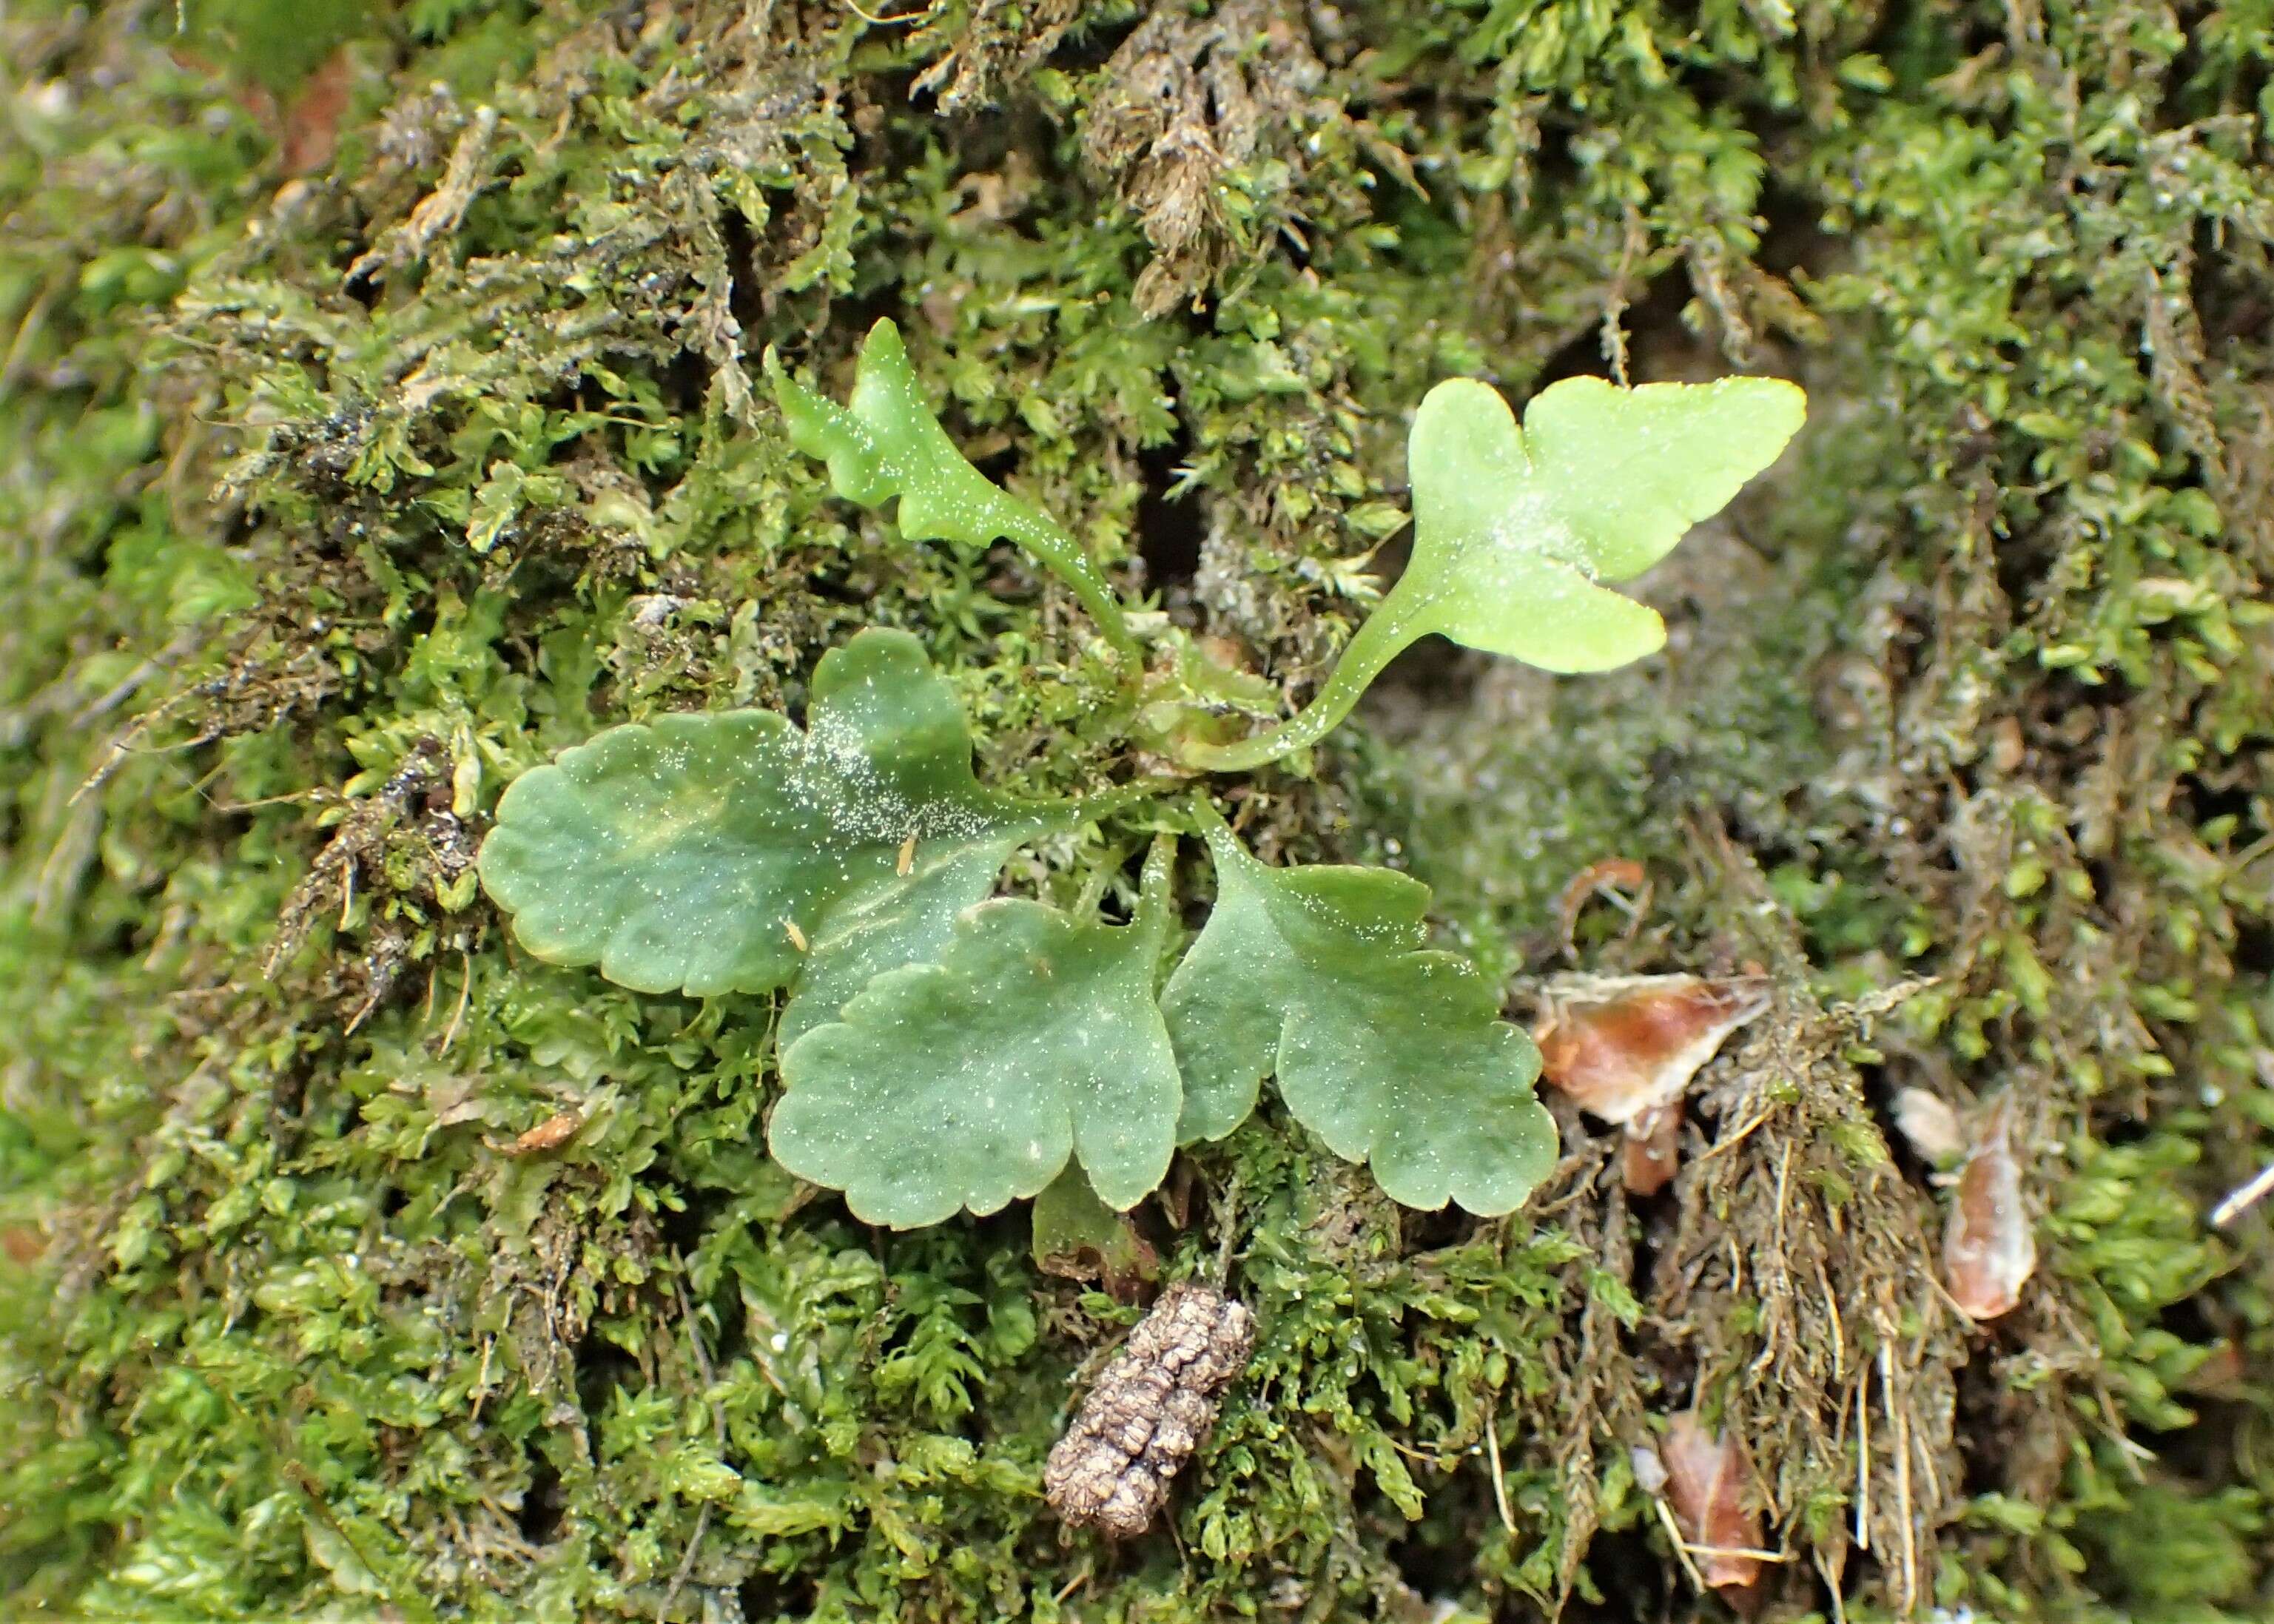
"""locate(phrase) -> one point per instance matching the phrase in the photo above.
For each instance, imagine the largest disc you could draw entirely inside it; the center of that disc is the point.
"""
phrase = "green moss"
(330, 504)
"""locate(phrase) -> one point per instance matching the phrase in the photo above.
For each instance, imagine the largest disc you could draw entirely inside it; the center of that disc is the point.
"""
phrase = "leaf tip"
(1783, 404)
(1468, 403)
(883, 344)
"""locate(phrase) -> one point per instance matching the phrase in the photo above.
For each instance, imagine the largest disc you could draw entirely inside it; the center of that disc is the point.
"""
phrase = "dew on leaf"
(718, 854)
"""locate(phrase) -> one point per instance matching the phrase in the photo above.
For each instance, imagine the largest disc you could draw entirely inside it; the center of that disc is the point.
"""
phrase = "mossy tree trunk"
(377, 417)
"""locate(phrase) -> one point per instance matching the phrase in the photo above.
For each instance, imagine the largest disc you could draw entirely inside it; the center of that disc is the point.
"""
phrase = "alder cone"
(1149, 1411)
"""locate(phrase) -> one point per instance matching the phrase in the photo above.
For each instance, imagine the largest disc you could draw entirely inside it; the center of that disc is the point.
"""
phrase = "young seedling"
(885, 442)
(941, 1052)
(1516, 533)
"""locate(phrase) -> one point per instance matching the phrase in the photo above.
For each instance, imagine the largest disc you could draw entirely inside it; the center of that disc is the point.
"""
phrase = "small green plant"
(942, 1051)
(1514, 533)
(885, 442)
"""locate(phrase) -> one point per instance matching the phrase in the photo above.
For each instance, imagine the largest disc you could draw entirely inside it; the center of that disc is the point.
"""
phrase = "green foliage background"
(330, 500)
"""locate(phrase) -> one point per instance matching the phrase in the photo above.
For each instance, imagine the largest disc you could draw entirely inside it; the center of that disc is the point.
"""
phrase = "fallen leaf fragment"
(1624, 1048)
(554, 1132)
(1621, 1046)
(1929, 1126)
(1652, 1149)
(1989, 1246)
(1709, 1477)
(309, 127)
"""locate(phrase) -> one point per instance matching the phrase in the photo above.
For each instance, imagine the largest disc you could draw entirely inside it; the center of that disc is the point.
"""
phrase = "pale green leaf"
(885, 442)
(694, 853)
(1391, 1054)
(1515, 534)
(969, 1082)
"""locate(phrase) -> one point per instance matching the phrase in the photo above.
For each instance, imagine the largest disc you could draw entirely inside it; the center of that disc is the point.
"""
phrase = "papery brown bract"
(1929, 1126)
(1989, 1248)
(1624, 1048)
(1708, 1481)
(1623, 1045)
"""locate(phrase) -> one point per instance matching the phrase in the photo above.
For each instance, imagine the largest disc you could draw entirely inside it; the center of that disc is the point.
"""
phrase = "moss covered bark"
(377, 417)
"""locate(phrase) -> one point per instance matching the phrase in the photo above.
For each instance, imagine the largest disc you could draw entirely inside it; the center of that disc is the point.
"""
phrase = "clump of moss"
(347, 489)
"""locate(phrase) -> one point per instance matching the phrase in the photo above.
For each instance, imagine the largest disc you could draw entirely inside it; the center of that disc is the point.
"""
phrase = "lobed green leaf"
(1514, 533)
(1391, 1054)
(885, 442)
(965, 1084)
(712, 853)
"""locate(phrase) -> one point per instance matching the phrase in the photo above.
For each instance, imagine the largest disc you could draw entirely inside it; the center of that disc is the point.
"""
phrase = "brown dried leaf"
(1622, 1045)
(1989, 1246)
(1708, 1481)
(311, 132)
(554, 1132)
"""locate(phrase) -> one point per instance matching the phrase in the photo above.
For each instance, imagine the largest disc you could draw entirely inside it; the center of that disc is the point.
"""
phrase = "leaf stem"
(1097, 808)
(1210, 822)
(1153, 893)
(1376, 644)
(1071, 563)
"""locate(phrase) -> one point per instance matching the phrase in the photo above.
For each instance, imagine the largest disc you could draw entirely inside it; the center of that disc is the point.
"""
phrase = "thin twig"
(1227, 1218)
(1681, 1545)
(686, 1563)
(1832, 1317)
(887, 22)
(1901, 1425)
(2241, 1199)
(1832, 1588)
(466, 995)
(1742, 1134)
(718, 1432)
(1747, 1552)
(1863, 1461)
(1500, 1480)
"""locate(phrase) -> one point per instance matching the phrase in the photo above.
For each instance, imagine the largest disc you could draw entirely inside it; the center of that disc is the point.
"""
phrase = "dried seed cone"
(1149, 1410)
